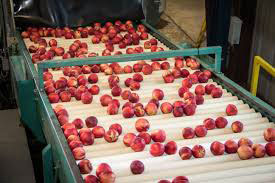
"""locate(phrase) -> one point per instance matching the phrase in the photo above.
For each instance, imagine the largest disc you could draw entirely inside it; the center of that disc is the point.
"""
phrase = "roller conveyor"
(224, 168)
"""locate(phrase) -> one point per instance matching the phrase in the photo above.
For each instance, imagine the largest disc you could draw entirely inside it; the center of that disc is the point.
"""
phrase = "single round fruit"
(137, 167)
(157, 149)
(170, 147)
(245, 152)
(217, 148)
(270, 148)
(237, 127)
(185, 153)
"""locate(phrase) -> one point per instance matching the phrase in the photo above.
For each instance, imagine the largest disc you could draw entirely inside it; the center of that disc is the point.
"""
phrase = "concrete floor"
(188, 15)
(15, 159)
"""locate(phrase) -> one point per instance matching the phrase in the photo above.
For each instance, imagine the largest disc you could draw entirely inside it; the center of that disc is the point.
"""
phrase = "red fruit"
(129, 138)
(185, 153)
(193, 78)
(91, 179)
(98, 131)
(62, 119)
(166, 108)
(158, 135)
(165, 65)
(73, 138)
(128, 112)
(86, 98)
(91, 121)
(59, 51)
(133, 97)
(231, 110)
(95, 69)
(143, 36)
(87, 138)
(137, 77)
(134, 85)
(164, 181)
(78, 123)
(270, 148)
(145, 136)
(78, 153)
(245, 141)
(107, 177)
(209, 124)
(221, 122)
(105, 100)
(182, 90)
(142, 125)
(154, 101)
(190, 109)
(179, 63)
(112, 109)
(116, 91)
(155, 66)
(176, 73)
(230, 146)
(199, 99)
(94, 90)
(180, 179)
(147, 69)
(116, 127)
(207, 73)
(200, 90)
(93, 78)
(198, 151)
(137, 167)
(187, 83)
(85, 166)
(25, 34)
(139, 111)
(116, 102)
(269, 134)
(217, 148)
(245, 152)
(157, 94)
(157, 149)
(127, 69)
(259, 150)
(128, 81)
(168, 77)
(209, 88)
(75, 143)
(53, 97)
(178, 104)
(188, 133)
(200, 131)
(237, 127)
(111, 135)
(203, 78)
(151, 109)
(170, 147)
(103, 167)
(128, 104)
(184, 73)
(216, 93)
(178, 111)
(138, 144)
(65, 96)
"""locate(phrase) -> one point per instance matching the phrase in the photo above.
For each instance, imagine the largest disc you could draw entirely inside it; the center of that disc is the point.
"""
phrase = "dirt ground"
(182, 20)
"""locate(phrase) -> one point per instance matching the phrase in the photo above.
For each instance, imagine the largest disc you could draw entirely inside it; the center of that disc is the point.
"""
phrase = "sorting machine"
(58, 161)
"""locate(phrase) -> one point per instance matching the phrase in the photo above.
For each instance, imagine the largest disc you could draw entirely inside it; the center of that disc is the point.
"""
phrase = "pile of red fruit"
(110, 34)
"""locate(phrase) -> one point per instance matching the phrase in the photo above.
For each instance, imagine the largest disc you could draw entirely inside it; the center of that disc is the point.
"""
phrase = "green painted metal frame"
(48, 164)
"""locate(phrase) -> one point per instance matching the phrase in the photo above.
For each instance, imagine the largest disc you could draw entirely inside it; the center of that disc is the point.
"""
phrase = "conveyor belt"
(225, 168)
